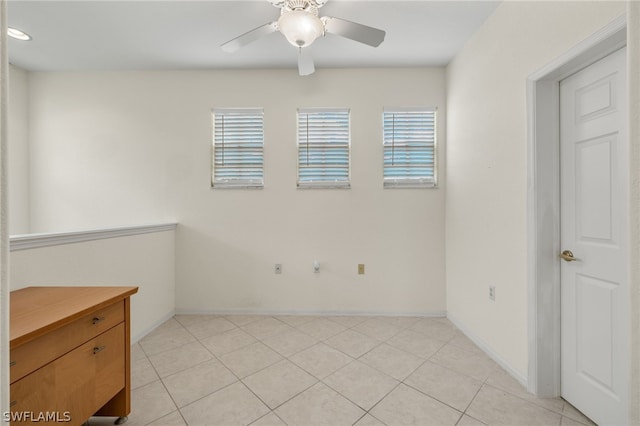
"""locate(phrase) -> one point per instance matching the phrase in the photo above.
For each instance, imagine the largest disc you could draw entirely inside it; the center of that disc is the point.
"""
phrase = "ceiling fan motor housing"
(297, 4)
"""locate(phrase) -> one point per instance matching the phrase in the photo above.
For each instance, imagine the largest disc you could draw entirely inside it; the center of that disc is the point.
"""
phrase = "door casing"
(543, 203)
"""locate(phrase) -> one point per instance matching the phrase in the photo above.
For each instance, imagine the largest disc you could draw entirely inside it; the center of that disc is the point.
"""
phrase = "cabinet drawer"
(76, 383)
(36, 353)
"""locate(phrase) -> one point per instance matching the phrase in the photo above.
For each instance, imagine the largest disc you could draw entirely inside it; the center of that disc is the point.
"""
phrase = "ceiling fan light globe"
(300, 28)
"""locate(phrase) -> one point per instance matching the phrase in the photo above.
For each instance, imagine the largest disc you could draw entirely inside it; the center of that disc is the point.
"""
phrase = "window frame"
(405, 181)
(237, 183)
(320, 184)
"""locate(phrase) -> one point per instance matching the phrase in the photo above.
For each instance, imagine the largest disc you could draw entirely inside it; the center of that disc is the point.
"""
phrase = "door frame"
(543, 202)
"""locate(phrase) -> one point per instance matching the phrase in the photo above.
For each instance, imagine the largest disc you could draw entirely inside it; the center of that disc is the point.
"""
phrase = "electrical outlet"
(278, 268)
(360, 268)
(492, 292)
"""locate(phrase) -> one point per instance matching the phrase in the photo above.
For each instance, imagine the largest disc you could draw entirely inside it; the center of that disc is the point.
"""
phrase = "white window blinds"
(409, 147)
(238, 141)
(323, 148)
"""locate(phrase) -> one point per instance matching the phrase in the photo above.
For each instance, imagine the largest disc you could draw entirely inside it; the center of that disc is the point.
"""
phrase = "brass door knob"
(567, 255)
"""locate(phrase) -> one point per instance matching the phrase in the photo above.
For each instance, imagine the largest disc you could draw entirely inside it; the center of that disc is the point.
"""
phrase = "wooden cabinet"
(70, 353)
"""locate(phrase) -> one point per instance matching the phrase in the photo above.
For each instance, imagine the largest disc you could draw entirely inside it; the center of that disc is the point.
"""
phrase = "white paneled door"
(594, 153)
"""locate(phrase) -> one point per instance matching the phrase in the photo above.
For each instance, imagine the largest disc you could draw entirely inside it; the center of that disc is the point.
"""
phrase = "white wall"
(486, 170)
(18, 151)
(145, 260)
(115, 148)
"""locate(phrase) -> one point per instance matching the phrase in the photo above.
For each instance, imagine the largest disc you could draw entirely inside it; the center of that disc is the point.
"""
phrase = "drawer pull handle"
(98, 349)
(97, 320)
(12, 363)
(12, 403)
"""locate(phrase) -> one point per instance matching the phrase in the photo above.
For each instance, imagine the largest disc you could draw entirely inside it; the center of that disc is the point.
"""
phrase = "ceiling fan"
(300, 24)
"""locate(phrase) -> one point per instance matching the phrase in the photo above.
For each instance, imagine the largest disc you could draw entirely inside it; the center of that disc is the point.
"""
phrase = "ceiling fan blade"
(305, 62)
(354, 31)
(250, 36)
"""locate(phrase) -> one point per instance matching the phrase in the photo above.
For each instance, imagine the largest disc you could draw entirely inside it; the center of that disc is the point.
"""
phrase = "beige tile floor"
(305, 370)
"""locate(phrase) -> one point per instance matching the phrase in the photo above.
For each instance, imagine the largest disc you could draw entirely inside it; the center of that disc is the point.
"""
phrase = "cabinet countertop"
(35, 311)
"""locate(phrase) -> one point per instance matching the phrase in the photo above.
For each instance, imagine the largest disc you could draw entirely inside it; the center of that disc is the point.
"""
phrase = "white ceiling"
(146, 34)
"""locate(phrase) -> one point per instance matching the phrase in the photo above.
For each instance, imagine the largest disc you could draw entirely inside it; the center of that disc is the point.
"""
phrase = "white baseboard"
(490, 352)
(435, 314)
(138, 336)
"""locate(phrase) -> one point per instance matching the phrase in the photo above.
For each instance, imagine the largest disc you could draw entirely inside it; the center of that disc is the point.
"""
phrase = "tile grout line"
(317, 379)
(241, 380)
(165, 388)
(471, 402)
(379, 343)
(236, 326)
(238, 379)
(160, 379)
(179, 409)
(366, 411)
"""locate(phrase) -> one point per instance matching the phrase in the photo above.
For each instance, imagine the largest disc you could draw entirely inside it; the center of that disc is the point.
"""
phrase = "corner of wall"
(486, 199)
(18, 167)
(633, 50)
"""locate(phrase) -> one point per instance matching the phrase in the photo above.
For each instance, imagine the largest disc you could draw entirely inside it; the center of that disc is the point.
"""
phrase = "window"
(238, 140)
(409, 147)
(323, 148)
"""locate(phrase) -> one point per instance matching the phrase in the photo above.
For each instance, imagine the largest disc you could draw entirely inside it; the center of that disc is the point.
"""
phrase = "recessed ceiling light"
(17, 34)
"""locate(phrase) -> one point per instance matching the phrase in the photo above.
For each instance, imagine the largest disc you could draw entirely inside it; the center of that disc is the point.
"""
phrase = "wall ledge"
(31, 241)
